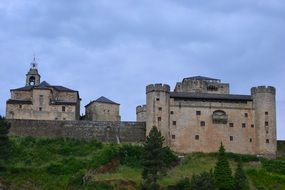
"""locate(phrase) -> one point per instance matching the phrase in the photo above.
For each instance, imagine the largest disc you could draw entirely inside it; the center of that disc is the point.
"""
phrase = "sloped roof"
(206, 96)
(44, 84)
(200, 78)
(103, 99)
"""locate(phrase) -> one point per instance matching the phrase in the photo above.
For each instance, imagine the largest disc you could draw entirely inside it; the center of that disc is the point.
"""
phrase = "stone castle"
(196, 117)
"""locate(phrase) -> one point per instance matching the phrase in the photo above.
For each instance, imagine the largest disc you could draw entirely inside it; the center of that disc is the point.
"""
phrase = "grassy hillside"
(38, 163)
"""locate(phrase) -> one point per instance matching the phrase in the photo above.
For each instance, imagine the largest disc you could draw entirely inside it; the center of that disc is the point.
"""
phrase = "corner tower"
(33, 78)
(264, 104)
(157, 114)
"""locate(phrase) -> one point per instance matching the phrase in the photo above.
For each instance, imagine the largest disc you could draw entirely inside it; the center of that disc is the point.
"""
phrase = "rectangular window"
(173, 136)
(157, 99)
(202, 123)
(266, 123)
(198, 112)
(20, 106)
(243, 125)
(231, 138)
(267, 141)
(252, 126)
(231, 124)
(171, 112)
(159, 108)
(159, 119)
(63, 108)
(40, 108)
(250, 140)
(196, 137)
(173, 122)
(245, 114)
(266, 113)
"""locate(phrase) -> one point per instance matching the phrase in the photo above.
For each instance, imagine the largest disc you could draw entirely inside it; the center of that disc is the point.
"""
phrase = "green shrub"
(203, 181)
(131, 155)
(55, 168)
(108, 153)
(275, 166)
(182, 184)
(169, 158)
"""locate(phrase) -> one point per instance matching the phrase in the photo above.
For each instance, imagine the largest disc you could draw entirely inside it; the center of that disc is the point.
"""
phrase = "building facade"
(102, 109)
(41, 101)
(201, 113)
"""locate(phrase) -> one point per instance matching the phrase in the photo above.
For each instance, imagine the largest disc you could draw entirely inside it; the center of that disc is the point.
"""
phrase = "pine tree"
(240, 180)
(222, 172)
(153, 159)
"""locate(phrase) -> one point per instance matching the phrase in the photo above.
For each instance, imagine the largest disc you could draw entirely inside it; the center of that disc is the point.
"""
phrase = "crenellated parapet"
(140, 109)
(263, 89)
(157, 87)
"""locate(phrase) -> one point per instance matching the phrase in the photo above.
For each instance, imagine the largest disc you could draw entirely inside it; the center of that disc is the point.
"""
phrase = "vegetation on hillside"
(39, 163)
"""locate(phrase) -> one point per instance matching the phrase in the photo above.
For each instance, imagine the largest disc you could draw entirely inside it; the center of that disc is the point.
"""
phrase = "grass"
(39, 163)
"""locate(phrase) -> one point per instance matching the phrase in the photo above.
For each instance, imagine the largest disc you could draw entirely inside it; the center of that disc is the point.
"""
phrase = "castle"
(201, 113)
(196, 116)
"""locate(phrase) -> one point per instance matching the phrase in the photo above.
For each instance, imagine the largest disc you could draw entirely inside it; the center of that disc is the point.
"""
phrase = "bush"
(182, 184)
(131, 155)
(203, 181)
(275, 166)
(169, 158)
(105, 155)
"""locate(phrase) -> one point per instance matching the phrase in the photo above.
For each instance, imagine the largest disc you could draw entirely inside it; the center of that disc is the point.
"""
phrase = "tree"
(240, 180)
(152, 159)
(4, 141)
(203, 181)
(222, 172)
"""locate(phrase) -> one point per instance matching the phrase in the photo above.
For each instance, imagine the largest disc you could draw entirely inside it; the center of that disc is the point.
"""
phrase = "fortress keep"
(201, 113)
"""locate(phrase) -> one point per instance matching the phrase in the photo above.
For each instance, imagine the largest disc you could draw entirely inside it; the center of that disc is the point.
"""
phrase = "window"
(202, 123)
(171, 112)
(40, 108)
(231, 138)
(63, 108)
(173, 122)
(63, 118)
(198, 112)
(20, 106)
(266, 123)
(160, 108)
(157, 99)
(266, 131)
(56, 118)
(231, 124)
(266, 113)
(173, 136)
(245, 114)
(250, 140)
(159, 119)
(219, 117)
(267, 140)
(196, 137)
(252, 126)
(243, 125)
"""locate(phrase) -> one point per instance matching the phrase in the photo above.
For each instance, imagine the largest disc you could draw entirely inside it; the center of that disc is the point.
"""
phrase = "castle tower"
(157, 114)
(141, 113)
(265, 120)
(33, 78)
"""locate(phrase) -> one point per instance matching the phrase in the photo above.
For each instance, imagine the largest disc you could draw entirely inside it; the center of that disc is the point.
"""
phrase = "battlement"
(263, 89)
(157, 87)
(141, 108)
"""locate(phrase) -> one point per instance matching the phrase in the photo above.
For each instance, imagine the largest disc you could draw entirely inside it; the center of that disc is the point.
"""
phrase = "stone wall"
(103, 131)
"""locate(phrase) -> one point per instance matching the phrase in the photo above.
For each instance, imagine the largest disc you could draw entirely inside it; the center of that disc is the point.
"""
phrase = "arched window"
(32, 80)
(220, 117)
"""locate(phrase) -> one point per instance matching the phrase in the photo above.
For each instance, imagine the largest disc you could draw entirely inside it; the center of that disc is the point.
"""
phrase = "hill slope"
(38, 163)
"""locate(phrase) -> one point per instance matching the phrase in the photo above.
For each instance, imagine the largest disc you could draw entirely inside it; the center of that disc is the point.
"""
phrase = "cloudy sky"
(115, 48)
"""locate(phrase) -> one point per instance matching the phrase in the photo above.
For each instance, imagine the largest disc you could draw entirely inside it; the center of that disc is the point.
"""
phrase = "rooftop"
(207, 96)
(200, 78)
(103, 99)
(44, 84)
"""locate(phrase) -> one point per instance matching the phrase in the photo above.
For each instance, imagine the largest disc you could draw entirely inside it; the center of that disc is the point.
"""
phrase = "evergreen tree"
(240, 180)
(222, 172)
(4, 142)
(203, 181)
(153, 159)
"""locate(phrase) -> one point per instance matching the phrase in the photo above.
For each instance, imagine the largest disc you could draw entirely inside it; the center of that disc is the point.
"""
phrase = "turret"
(33, 78)
(141, 113)
(264, 105)
(157, 114)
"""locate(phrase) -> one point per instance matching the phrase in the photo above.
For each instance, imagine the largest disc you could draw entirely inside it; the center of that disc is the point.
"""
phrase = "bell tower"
(33, 78)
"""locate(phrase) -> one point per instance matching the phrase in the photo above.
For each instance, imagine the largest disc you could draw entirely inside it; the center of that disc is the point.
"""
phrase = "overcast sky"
(114, 48)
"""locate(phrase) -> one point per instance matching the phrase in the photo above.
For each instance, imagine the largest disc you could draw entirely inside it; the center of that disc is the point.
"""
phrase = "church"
(42, 101)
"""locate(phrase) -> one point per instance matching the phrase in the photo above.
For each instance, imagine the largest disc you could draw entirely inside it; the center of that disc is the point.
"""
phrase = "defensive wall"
(102, 130)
